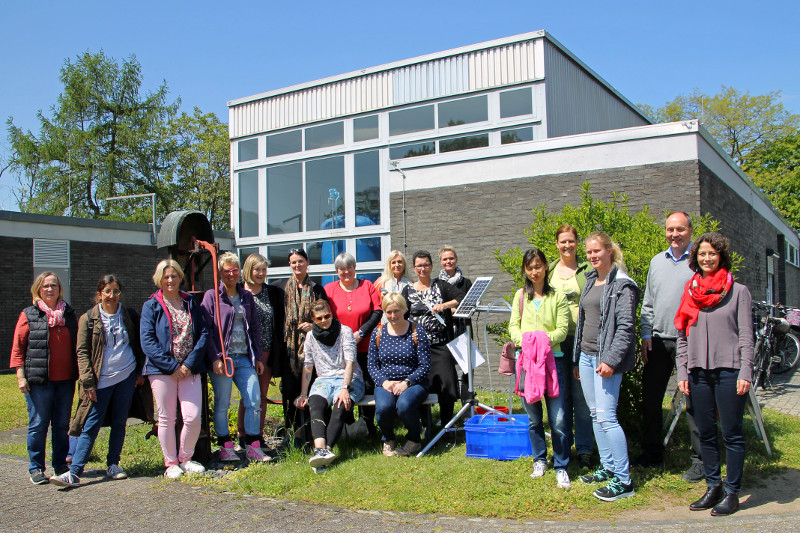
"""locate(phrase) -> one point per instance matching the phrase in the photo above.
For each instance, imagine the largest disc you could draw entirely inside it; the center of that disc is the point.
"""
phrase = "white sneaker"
(192, 467)
(562, 479)
(321, 457)
(173, 472)
(539, 468)
(115, 472)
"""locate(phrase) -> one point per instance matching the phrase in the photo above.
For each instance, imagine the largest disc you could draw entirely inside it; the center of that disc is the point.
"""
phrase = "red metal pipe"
(227, 362)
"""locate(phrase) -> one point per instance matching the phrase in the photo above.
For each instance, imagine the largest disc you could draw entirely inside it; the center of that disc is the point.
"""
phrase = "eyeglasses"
(423, 267)
(322, 318)
(111, 292)
(230, 271)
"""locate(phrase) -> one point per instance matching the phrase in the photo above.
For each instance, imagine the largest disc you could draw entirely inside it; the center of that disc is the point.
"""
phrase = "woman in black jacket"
(429, 303)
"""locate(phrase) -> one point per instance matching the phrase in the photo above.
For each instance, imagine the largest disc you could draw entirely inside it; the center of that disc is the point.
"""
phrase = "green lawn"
(446, 481)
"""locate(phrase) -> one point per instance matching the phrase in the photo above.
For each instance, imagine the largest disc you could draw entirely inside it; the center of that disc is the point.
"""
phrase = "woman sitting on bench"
(399, 361)
(331, 349)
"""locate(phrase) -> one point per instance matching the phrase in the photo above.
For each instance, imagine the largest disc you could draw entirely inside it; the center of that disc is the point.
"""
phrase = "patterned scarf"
(452, 280)
(298, 309)
(55, 317)
(702, 293)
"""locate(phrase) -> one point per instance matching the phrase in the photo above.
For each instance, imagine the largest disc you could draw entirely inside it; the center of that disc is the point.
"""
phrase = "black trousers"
(655, 378)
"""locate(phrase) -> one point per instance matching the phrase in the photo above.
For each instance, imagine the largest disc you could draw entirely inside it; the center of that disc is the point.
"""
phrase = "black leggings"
(320, 417)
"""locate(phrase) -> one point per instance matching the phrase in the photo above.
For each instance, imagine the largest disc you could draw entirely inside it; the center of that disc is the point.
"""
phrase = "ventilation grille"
(50, 253)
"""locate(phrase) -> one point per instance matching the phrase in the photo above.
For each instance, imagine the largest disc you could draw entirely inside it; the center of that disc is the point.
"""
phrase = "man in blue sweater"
(669, 272)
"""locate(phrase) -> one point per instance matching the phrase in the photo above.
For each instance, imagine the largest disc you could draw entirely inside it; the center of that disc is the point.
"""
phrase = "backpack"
(380, 330)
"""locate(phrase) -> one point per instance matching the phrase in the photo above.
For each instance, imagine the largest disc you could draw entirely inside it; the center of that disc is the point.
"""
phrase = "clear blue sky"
(210, 52)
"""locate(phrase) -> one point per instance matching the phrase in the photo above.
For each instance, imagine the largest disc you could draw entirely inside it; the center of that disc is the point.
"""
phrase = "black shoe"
(712, 497)
(695, 474)
(38, 477)
(648, 461)
(585, 461)
(727, 506)
(600, 475)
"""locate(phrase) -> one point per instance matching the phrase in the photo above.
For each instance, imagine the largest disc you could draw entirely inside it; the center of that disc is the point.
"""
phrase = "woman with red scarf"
(715, 365)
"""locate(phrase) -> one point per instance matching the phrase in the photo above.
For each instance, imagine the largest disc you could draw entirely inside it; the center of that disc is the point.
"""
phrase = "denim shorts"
(329, 389)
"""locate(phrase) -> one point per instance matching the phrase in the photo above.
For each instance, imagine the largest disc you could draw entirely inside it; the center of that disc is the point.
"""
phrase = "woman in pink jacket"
(543, 310)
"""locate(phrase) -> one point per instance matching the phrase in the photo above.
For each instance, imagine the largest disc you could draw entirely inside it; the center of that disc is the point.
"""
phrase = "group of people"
(574, 322)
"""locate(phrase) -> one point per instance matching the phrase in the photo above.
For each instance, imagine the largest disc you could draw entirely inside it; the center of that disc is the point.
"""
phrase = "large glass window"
(279, 255)
(248, 150)
(365, 128)
(285, 199)
(516, 135)
(368, 249)
(244, 253)
(516, 102)
(325, 193)
(248, 203)
(412, 150)
(284, 143)
(464, 143)
(464, 111)
(324, 252)
(325, 135)
(367, 181)
(411, 120)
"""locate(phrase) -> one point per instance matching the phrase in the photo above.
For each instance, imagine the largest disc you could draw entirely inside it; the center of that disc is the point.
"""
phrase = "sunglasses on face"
(322, 318)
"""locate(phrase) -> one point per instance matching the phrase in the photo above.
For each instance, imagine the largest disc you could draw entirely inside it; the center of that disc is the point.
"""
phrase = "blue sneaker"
(615, 490)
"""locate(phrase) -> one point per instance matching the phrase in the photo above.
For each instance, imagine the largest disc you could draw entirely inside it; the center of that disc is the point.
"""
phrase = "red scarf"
(702, 293)
(55, 317)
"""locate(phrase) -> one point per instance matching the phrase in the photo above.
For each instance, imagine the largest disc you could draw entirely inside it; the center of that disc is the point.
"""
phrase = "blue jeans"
(329, 389)
(48, 405)
(575, 405)
(602, 397)
(558, 424)
(246, 380)
(118, 398)
(406, 406)
(714, 391)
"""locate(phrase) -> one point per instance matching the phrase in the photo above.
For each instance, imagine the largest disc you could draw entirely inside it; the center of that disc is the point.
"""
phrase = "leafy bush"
(639, 235)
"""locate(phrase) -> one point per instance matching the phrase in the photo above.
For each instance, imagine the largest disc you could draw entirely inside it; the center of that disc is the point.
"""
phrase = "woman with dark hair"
(270, 310)
(567, 275)
(300, 295)
(543, 310)
(331, 350)
(173, 334)
(110, 361)
(43, 354)
(429, 302)
(715, 365)
(605, 348)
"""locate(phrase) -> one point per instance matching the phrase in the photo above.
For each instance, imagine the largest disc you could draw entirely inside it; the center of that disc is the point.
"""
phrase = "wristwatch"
(408, 382)
(348, 388)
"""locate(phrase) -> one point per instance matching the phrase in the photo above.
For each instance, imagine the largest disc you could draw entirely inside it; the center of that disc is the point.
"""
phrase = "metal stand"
(679, 400)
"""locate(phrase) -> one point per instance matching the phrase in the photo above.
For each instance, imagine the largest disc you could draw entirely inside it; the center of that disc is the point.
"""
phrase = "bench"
(369, 401)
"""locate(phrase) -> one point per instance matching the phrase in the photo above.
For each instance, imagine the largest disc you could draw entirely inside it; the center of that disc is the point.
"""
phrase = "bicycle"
(788, 344)
(774, 344)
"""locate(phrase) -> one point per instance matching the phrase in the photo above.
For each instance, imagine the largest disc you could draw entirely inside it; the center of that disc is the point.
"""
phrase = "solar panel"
(473, 298)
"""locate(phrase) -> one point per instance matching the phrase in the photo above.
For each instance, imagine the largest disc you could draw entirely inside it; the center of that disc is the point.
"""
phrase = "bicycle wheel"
(760, 355)
(788, 347)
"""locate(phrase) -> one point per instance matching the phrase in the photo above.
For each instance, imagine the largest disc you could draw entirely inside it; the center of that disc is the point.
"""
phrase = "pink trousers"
(167, 391)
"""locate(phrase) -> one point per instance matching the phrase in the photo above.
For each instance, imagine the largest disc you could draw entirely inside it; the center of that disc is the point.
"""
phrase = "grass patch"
(446, 481)
(13, 410)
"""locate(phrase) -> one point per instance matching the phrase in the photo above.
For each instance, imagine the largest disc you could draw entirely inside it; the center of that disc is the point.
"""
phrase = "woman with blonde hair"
(605, 346)
(271, 315)
(395, 274)
(173, 334)
(44, 355)
(238, 320)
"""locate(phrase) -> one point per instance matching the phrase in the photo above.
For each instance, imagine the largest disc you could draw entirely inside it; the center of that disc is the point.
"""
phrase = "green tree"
(775, 168)
(201, 171)
(640, 236)
(102, 138)
(739, 121)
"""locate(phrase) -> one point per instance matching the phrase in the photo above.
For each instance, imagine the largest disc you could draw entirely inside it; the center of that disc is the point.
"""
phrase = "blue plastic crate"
(503, 437)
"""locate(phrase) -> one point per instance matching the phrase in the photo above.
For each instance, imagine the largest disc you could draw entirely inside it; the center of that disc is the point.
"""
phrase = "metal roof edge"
(389, 66)
(37, 218)
(549, 37)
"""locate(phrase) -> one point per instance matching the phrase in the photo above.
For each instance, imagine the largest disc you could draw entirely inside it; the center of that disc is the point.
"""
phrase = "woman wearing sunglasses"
(331, 350)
